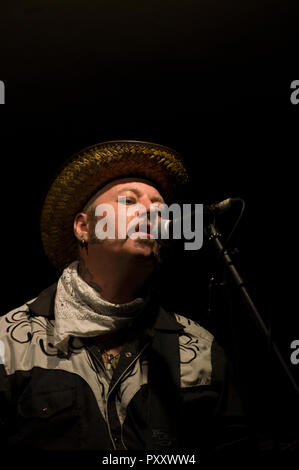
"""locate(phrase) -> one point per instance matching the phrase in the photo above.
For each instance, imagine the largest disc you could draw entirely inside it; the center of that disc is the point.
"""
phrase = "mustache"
(156, 254)
(146, 241)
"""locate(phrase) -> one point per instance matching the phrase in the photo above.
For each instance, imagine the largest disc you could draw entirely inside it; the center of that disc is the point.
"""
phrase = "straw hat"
(92, 168)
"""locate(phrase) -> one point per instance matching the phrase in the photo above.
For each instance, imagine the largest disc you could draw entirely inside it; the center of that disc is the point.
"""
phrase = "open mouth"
(147, 233)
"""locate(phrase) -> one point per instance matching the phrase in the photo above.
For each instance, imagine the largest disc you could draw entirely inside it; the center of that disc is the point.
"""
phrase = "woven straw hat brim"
(90, 169)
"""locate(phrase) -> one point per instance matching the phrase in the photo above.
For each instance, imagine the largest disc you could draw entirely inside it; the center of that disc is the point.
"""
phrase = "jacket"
(172, 388)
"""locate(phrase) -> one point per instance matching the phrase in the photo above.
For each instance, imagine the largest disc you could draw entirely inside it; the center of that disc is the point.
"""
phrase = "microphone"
(164, 226)
(220, 207)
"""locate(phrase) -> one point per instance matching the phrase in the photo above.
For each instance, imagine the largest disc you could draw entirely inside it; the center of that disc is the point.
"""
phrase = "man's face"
(135, 191)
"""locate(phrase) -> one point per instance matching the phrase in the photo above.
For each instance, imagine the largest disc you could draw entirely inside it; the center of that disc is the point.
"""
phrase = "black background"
(210, 79)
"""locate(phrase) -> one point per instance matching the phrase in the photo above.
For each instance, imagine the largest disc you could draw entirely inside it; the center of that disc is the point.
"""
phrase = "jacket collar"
(43, 306)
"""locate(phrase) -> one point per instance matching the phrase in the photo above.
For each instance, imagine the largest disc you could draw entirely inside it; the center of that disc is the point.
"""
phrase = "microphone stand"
(214, 236)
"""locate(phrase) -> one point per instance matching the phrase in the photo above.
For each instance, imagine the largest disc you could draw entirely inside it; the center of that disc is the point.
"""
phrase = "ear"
(81, 226)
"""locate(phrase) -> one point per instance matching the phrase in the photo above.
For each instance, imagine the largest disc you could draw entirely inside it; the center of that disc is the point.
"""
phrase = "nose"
(148, 215)
(150, 208)
(146, 203)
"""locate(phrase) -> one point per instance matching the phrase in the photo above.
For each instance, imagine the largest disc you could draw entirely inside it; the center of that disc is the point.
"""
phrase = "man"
(95, 362)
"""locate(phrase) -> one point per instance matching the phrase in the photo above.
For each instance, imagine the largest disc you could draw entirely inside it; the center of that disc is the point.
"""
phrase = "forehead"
(130, 183)
(120, 185)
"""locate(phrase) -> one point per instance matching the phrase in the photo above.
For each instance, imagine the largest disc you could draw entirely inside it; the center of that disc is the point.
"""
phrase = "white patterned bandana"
(81, 312)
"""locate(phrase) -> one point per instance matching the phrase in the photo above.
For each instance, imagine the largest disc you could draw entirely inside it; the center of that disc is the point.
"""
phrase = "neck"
(117, 283)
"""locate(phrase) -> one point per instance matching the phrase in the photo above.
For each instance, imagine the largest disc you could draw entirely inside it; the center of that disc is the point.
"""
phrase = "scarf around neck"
(80, 311)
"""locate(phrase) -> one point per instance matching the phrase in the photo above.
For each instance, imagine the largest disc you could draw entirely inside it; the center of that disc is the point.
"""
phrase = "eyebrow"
(136, 191)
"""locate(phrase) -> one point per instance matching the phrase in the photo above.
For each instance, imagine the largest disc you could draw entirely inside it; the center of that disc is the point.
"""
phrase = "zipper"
(98, 363)
(119, 378)
(108, 425)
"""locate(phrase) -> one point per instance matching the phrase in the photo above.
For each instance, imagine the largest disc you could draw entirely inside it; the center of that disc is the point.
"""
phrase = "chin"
(143, 246)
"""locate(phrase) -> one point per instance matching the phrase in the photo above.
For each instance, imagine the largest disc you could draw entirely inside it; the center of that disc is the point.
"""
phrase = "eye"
(127, 200)
(156, 205)
(130, 200)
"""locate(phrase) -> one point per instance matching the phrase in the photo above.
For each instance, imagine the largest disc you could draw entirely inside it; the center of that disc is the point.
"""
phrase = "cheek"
(108, 222)
(120, 220)
(125, 223)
